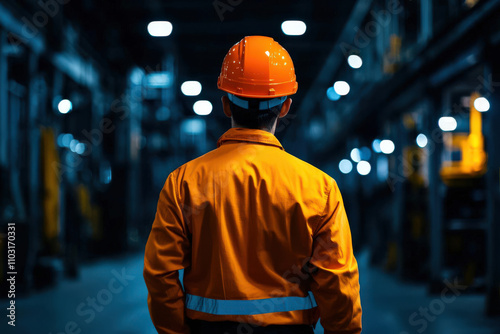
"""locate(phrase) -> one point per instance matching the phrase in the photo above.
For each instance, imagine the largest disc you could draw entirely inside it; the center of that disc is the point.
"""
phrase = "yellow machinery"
(50, 183)
(473, 157)
(392, 56)
(91, 212)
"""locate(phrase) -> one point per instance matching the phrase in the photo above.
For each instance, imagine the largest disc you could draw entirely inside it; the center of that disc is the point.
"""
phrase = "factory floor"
(110, 297)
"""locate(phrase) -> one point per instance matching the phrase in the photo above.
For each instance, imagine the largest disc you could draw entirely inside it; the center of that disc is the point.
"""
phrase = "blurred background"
(398, 100)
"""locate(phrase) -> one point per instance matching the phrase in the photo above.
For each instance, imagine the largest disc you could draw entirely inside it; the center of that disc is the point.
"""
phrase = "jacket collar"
(249, 135)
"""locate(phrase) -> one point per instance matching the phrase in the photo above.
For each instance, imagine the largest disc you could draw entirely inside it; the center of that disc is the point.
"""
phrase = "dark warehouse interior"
(397, 100)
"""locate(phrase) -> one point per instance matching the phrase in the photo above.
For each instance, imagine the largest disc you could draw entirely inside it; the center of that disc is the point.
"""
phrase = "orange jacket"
(262, 236)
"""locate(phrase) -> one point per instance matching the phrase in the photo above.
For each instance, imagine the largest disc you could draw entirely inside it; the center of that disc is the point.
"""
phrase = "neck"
(272, 130)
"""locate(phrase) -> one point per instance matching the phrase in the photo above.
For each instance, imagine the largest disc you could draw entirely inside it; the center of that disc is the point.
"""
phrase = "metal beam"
(73, 65)
(19, 29)
(4, 93)
(76, 68)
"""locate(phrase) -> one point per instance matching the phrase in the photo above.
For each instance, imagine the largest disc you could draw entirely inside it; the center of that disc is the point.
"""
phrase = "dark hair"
(253, 118)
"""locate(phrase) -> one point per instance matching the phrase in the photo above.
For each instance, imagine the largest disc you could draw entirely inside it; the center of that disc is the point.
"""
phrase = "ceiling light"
(422, 140)
(191, 88)
(65, 106)
(160, 28)
(345, 166)
(356, 155)
(387, 146)
(202, 107)
(354, 61)
(447, 123)
(293, 28)
(341, 87)
(481, 104)
(364, 168)
(376, 146)
(332, 95)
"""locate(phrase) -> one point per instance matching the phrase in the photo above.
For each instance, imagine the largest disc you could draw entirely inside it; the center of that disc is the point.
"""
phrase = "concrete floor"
(118, 289)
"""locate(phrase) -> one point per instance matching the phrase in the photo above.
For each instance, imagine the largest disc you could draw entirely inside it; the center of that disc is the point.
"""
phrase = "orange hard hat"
(258, 67)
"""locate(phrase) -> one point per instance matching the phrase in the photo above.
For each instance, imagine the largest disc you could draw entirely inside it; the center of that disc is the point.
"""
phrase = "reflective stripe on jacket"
(262, 236)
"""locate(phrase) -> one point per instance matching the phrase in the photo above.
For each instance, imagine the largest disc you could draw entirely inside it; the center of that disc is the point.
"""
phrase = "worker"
(262, 236)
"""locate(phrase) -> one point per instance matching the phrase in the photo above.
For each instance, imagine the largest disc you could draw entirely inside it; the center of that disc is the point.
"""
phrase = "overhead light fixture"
(481, 104)
(191, 88)
(354, 61)
(293, 28)
(202, 107)
(80, 148)
(376, 146)
(345, 166)
(73, 144)
(356, 155)
(387, 146)
(159, 80)
(341, 87)
(447, 123)
(160, 28)
(64, 139)
(64, 106)
(422, 140)
(364, 168)
(332, 95)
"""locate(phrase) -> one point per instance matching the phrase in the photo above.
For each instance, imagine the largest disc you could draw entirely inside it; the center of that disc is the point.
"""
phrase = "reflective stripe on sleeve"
(249, 307)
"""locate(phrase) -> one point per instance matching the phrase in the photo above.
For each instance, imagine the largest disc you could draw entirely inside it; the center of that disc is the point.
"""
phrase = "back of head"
(258, 75)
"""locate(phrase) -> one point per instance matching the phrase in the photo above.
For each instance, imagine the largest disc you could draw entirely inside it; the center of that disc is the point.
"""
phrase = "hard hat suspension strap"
(263, 105)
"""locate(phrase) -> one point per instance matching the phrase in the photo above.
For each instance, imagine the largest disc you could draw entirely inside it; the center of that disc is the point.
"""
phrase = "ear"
(226, 106)
(285, 108)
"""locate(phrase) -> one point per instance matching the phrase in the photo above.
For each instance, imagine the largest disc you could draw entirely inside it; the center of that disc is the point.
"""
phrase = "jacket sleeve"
(335, 282)
(167, 251)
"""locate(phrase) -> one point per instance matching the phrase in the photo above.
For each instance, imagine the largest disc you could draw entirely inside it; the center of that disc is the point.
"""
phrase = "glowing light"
(160, 28)
(191, 88)
(364, 168)
(293, 28)
(136, 76)
(356, 155)
(202, 107)
(354, 61)
(341, 87)
(376, 146)
(60, 140)
(382, 168)
(366, 154)
(193, 126)
(80, 148)
(422, 140)
(65, 106)
(345, 166)
(66, 139)
(332, 95)
(72, 145)
(159, 80)
(447, 123)
(387, 146)
(481, 104)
